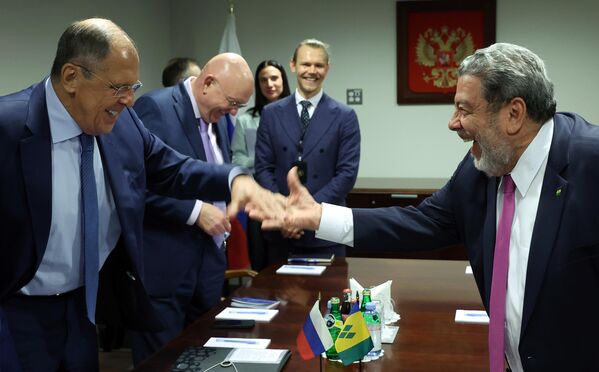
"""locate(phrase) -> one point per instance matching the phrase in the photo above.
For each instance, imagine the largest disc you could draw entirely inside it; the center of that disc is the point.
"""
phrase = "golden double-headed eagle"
(442, 51)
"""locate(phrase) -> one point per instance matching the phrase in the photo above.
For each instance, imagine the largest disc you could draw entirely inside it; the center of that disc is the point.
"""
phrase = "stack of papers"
(259, 315)
(238, 343)
(254, 303)
(313, 258)
(301, 270)
(471, 316)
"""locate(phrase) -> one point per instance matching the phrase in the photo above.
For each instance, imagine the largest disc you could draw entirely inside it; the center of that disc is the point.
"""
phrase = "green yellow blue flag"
(354, 339)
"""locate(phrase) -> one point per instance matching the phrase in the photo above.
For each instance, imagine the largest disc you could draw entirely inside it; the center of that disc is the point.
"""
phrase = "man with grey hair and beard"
(524, 202)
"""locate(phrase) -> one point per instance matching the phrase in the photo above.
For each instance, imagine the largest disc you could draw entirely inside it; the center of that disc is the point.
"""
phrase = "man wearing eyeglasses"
(314, 132)
(76, 163)
(189, 118)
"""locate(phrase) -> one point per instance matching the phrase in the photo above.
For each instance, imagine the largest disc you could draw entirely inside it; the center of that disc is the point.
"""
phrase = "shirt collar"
(62, 125)
(533, 157)
(314, 100)
(194, 104)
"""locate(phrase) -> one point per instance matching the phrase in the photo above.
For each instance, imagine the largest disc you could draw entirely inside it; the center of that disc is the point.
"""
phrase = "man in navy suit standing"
(524, 202)
(318, 134)
(76, 164)
(186, 279)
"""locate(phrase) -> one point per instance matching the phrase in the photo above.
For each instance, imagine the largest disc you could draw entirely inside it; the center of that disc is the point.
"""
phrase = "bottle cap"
(366, 292)
(335, 300)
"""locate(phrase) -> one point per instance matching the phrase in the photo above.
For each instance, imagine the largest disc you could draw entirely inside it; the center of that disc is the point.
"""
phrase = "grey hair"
(314, 43)
(507, 71)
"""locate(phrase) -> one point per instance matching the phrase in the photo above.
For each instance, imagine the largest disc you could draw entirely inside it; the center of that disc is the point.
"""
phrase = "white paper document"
(237, 313)
(301, 270)
(238, 343)
(271, 356)
(471, 316)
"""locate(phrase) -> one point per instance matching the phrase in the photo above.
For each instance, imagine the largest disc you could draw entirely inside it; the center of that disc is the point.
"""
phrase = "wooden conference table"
(426, 294)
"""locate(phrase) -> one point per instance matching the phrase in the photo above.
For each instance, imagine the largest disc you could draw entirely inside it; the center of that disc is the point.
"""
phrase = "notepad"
(259, 315)
(301, 270)
(471, 316)
(238, 343)
(254, 303)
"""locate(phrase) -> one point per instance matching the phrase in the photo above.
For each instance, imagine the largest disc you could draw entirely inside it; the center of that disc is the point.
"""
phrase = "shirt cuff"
(195, 212)
(236, 171)
(336, 224)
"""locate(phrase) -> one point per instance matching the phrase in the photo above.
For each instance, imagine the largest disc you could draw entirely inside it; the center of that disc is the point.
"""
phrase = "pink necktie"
(499, 282)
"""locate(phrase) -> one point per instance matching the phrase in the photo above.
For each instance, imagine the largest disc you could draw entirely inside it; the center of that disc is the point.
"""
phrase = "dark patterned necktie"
(305, 116)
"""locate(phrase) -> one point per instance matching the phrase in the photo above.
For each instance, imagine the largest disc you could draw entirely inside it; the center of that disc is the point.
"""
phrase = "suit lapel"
(36, 161)
(290, 120)
(489, 235)
(187, 119)
(321, 121)
(548, 219)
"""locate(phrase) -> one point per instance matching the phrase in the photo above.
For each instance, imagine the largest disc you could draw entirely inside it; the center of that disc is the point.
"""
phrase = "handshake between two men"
(290, 214)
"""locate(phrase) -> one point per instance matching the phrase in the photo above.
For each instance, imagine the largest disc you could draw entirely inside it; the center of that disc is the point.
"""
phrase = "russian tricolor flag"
(314, 338)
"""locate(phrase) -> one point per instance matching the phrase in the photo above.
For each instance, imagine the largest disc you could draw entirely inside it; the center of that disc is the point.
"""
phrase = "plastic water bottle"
(373, 322)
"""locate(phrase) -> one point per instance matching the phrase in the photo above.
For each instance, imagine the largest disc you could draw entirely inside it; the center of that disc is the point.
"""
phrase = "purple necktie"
(499, 281)
(211, 158)
(206, 142)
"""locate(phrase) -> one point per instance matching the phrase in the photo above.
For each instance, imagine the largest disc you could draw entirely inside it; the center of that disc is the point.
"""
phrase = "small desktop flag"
(354, 339)
(314, 338)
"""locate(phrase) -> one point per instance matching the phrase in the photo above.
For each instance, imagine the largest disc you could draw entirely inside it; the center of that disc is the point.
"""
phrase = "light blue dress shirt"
(61, 268)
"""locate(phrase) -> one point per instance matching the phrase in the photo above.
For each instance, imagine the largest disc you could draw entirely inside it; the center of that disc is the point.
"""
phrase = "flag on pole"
(354, 339)
(229, 43)
(314, 337)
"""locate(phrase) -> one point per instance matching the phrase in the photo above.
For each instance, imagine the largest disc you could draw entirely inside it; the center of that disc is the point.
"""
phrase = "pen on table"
(249, 342)
(475, 314)
(308, 260)
(247, 312)
(301, 267)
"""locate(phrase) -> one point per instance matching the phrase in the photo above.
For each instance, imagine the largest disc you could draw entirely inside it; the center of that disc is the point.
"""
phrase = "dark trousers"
(8, 355)
(198, 292)
(52, 333)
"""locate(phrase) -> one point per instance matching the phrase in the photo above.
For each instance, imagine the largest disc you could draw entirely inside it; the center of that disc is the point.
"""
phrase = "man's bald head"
(225, 82)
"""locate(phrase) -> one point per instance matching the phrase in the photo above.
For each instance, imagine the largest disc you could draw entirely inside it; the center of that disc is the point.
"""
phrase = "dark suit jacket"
(133, 159)
(561, 302)
(168, 113)
(331, 151)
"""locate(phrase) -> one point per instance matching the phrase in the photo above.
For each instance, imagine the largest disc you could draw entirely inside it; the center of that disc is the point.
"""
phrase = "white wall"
(397, 141)
(29, 33)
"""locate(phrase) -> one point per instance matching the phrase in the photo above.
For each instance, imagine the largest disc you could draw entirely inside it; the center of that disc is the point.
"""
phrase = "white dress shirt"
(337, 225)
(218, 155)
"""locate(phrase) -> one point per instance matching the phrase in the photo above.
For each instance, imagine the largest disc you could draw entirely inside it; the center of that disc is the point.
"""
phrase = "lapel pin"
(558, 192)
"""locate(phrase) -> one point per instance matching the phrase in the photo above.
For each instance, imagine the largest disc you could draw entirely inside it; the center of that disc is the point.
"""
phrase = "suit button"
(321, 151)
(315, 176)
(284, 148)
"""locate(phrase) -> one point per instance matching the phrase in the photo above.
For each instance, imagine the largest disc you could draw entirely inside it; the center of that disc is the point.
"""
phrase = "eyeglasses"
(231, 101)
(120, 91)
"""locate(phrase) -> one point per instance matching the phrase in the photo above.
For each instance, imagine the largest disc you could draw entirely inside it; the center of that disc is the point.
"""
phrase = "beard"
(496, 152)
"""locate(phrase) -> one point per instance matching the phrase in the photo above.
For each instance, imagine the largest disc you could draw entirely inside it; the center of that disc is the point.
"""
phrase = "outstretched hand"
(302, 211)
(258, 202)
